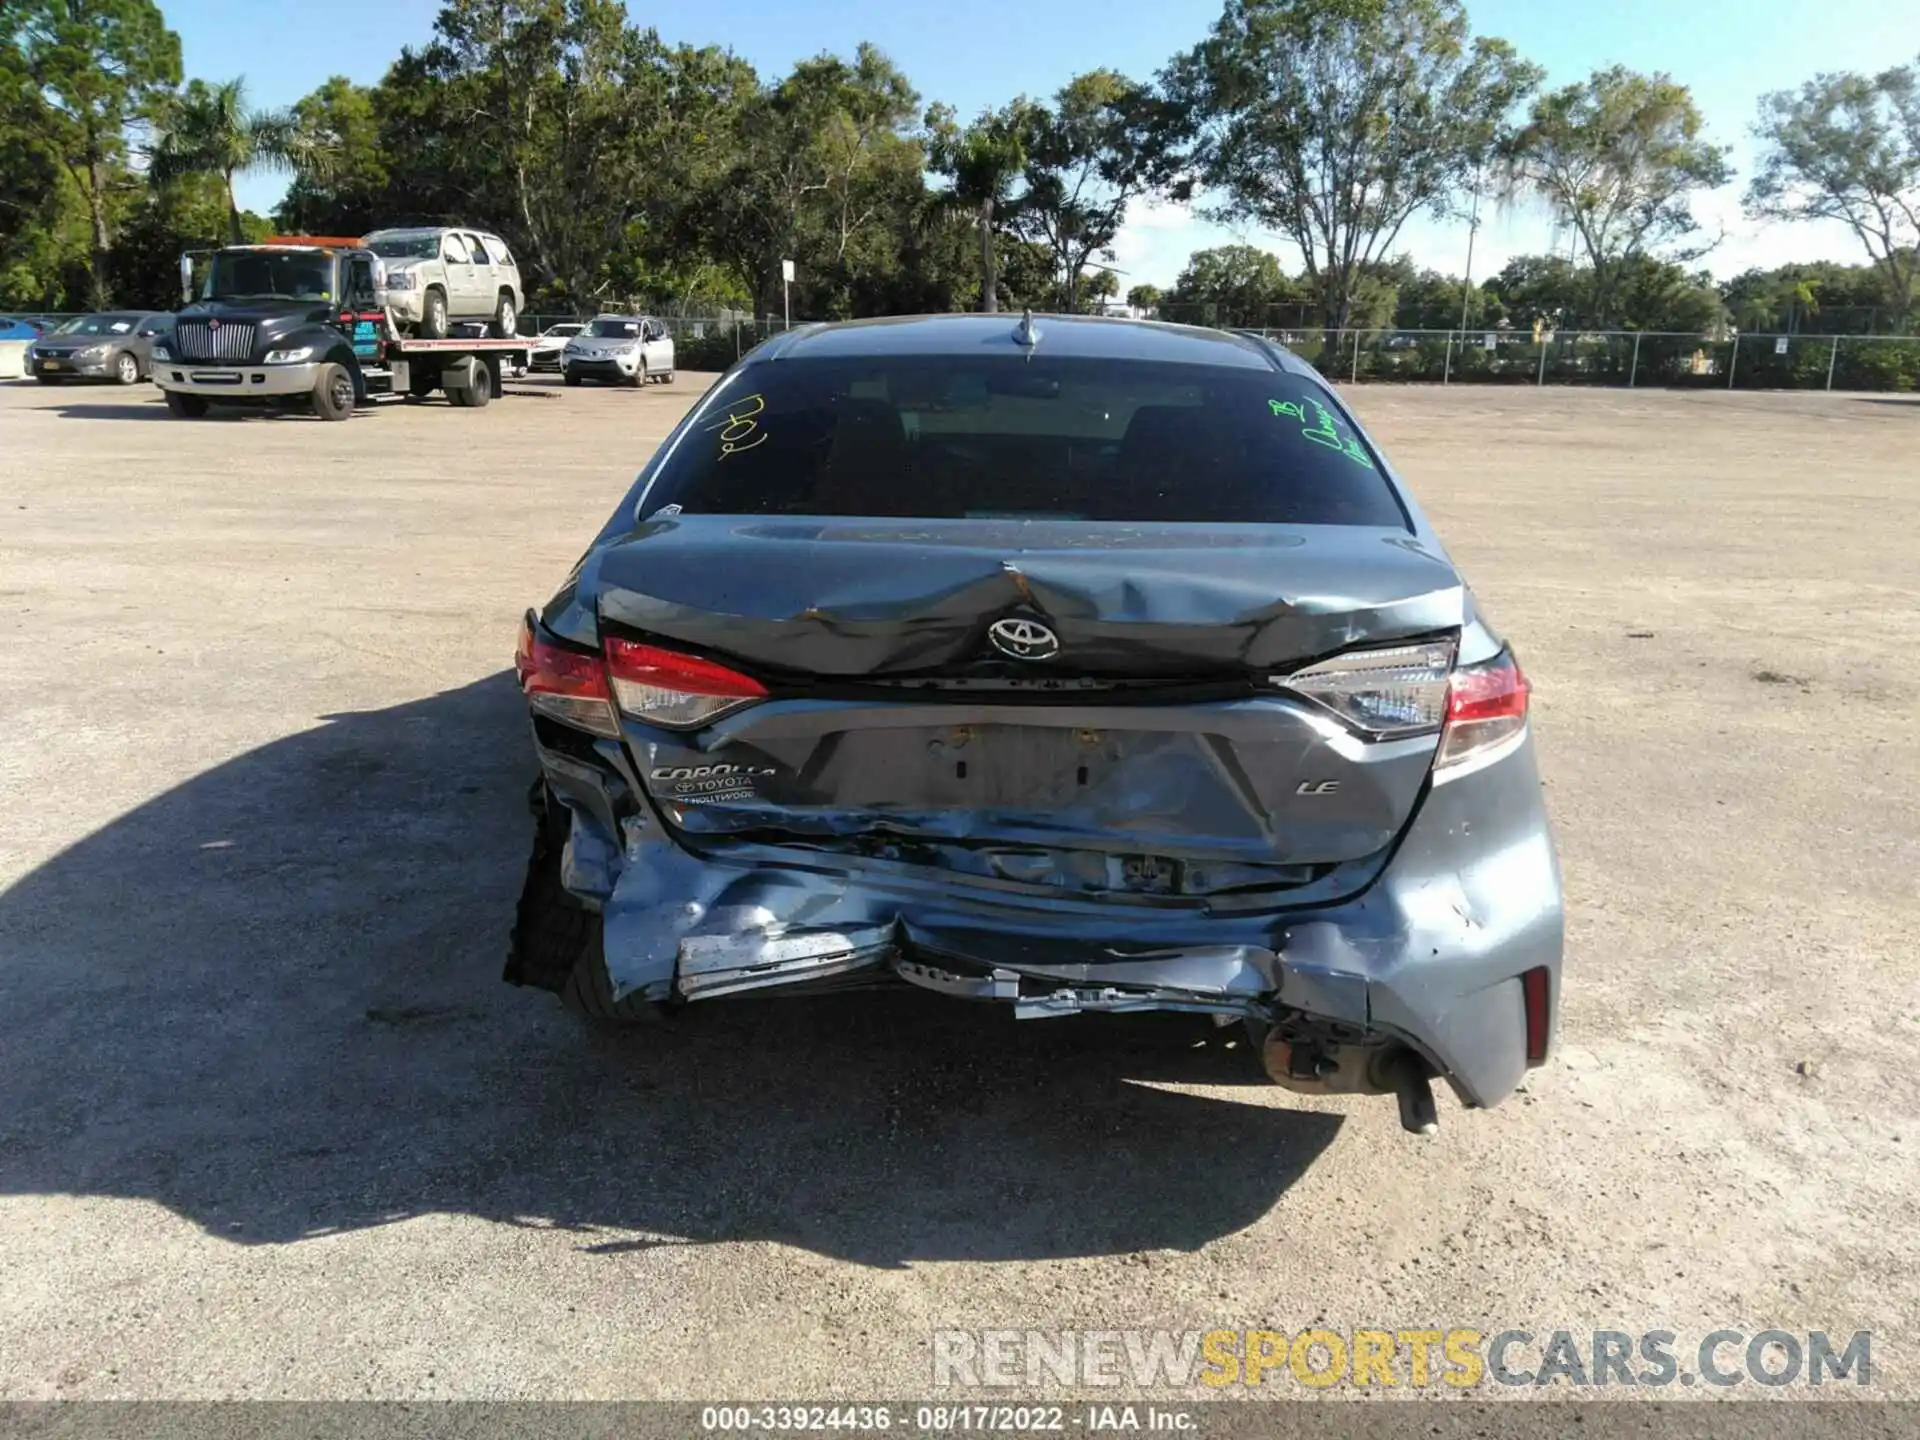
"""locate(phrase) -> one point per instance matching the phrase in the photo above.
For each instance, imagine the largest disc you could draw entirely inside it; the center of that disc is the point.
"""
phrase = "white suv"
(624, 349)
(436, 276)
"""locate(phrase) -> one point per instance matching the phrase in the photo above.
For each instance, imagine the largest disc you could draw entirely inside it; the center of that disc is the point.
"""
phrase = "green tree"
(191, 213)
(557, 122)
(1146, 298)
(1543, 289)
(94, 69)
(1617, 157)
(1333, 122)
(1086, 161)
(1847, 148)
(43, 231)
(348, 194)
(1428, 300)
(1229, 285)
(820, 160)
(211, 130)
(982, 164)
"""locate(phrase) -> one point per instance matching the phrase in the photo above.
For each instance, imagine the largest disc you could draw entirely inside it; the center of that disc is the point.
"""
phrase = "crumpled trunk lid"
(1151, 753)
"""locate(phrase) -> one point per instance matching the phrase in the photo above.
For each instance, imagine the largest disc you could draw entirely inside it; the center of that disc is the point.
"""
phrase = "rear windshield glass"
(1009, 436)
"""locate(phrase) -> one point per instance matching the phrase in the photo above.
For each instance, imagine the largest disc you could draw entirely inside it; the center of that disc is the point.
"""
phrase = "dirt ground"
(270, 1125)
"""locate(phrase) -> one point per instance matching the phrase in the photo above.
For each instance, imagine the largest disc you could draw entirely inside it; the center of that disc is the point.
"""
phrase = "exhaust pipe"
(1412, 1085)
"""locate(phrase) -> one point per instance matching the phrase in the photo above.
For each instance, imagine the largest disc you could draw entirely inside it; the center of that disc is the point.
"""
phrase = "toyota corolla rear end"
(1088, 667)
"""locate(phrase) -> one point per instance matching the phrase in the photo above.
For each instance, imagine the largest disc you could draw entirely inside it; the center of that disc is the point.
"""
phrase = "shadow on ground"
(269, 1000)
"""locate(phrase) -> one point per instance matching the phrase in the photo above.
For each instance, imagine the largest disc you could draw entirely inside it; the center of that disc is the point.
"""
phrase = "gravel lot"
(270, 1125)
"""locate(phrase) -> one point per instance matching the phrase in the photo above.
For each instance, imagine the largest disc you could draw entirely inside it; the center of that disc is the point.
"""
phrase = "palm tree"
(209, 130)
(981, 164)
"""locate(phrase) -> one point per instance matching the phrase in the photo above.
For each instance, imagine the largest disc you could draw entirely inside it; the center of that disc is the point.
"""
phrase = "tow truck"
(301, 322)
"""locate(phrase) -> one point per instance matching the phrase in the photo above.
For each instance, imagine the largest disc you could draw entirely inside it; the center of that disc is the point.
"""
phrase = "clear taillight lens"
(568, 685)
(664, 687)
(1486, 716)
(1396, 691)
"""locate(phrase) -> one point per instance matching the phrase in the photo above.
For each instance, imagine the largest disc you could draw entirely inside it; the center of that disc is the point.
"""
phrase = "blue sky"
(981, 52)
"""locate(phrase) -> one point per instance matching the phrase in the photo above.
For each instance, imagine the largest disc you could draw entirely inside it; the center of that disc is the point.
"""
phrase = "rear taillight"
(1486, 716)
(664, 687)
(1400, 690)
(568, 685)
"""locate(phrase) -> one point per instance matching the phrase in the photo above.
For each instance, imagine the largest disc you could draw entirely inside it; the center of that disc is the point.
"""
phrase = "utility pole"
(786, 293)
(1466, 283)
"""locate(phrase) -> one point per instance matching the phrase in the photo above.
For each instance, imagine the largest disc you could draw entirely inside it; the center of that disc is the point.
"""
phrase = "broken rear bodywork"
(1171, 809)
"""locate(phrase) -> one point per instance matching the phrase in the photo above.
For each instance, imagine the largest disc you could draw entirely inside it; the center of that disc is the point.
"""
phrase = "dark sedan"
(114, 345)
(1070, 665)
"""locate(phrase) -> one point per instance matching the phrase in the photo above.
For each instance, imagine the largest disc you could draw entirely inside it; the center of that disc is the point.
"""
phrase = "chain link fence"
(715, 338)
(1625, 358)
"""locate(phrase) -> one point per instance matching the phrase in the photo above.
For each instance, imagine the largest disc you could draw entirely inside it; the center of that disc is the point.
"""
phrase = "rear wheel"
(504, 317)
(187, 407)
(126, 368)
(333, 392)
(556, 940)
(478, 389)
(433, 315)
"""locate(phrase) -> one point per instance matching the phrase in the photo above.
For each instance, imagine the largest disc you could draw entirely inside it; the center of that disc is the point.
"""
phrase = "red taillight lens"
(568, 685)
(664, 687)
(1534, 989)
(1486, 715)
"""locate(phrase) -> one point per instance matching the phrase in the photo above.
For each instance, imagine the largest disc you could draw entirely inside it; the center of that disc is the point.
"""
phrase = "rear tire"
(557, 941)
(589, 991)
(126, 368)
(333, 392)
(478, 391)
(433, 315)
(505, 317)
(186, 407)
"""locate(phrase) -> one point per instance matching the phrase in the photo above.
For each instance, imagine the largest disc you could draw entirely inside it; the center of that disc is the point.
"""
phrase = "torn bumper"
(1427, 956)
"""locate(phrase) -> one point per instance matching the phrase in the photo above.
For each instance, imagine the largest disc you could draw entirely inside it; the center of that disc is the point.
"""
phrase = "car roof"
(1078, 336)
(429, 230)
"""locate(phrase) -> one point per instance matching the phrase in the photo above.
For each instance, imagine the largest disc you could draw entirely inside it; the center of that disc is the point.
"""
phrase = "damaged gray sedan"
(1072, 665)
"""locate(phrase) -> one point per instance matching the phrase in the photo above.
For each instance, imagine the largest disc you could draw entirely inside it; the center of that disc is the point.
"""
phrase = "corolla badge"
(1023, 639)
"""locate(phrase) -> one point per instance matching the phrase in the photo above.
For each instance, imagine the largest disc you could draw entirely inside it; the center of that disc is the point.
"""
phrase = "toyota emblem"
(1023, 639)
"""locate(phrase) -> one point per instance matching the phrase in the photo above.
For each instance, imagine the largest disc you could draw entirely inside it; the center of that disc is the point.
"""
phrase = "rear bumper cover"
(1428, 955)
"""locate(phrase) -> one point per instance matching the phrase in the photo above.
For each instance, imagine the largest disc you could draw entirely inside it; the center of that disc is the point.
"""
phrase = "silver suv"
(436, 276)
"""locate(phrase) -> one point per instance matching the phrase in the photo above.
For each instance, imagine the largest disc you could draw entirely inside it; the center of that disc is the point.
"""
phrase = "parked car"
(19, 327)
(114, 345)
(548, 344)
(1073, 665)
(621, 349)
(436, 276)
